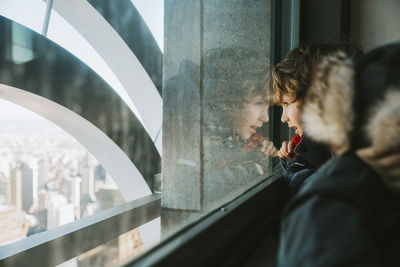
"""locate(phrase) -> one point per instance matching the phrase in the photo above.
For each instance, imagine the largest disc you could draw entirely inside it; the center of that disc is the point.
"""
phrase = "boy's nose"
(284, 118)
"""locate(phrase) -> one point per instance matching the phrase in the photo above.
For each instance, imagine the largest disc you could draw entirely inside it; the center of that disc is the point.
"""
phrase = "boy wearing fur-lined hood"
(301, 157)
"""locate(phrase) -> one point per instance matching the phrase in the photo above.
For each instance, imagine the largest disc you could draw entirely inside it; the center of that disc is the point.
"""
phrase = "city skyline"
(48, 175)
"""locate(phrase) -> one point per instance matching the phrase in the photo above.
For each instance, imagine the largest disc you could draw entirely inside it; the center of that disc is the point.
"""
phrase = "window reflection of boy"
(236, 110)
(250, 116)
(245, 119)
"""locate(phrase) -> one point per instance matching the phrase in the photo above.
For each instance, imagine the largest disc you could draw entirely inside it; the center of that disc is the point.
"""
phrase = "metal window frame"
(208, 241)
(285, 24)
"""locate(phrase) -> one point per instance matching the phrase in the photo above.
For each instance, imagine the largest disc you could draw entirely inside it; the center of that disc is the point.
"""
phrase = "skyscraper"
(74, 194)
(29, 187)
(16, 187)
(5, 190)
(43, 173)
(59, 210)
(87, 173)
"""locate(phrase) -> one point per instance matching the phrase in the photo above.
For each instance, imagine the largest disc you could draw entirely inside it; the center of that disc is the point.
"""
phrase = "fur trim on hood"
(383, 130)
(383, 127)
(328, 106)
(328, 109)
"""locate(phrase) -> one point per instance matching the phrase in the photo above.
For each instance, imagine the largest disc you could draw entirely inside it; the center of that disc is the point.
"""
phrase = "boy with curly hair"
(300, 157)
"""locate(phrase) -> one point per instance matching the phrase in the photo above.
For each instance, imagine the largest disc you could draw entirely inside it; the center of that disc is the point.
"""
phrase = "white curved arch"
(119, 57)
(125, 174)
(30, 13)
(80, 29)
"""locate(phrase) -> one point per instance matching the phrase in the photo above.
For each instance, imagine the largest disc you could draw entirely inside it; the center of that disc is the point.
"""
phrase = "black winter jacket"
(343, 216)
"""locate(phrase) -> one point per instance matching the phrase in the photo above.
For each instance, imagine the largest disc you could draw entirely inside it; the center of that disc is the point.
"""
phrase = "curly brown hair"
(292, 76)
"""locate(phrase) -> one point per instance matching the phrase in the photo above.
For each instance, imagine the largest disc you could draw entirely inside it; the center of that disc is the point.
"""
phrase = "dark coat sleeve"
(332, 219)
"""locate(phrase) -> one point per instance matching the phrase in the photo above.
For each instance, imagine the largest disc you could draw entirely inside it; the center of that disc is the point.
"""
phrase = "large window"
(199, 134)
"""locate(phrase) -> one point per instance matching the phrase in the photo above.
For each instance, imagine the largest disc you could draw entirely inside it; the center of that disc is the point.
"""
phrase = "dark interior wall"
(367, 23)
(326, 20)
(373, 23)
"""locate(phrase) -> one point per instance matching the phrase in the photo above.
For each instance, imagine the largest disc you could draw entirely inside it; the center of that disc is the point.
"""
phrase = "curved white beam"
(94, 41)
(119, 57)
(31, 13)
(125, 174)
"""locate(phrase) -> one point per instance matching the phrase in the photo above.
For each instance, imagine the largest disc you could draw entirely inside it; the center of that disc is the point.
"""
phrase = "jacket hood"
(327, 111)
(352, 105)
(383, 127)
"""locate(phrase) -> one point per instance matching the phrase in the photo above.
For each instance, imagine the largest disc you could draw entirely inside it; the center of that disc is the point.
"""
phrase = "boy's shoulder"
(346, 177)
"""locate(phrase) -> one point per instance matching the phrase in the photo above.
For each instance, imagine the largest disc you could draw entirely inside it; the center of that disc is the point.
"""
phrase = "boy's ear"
(300, 103)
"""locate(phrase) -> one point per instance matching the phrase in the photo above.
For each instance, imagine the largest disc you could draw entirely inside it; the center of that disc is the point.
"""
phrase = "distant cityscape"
(48, 179)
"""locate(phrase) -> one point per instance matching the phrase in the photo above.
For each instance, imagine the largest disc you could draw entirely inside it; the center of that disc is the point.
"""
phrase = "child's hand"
(268, 148)
(386, 163)
(287, 150)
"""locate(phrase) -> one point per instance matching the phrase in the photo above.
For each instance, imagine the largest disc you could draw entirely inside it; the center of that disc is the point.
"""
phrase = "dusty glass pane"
(216, 96)
(236, 142)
